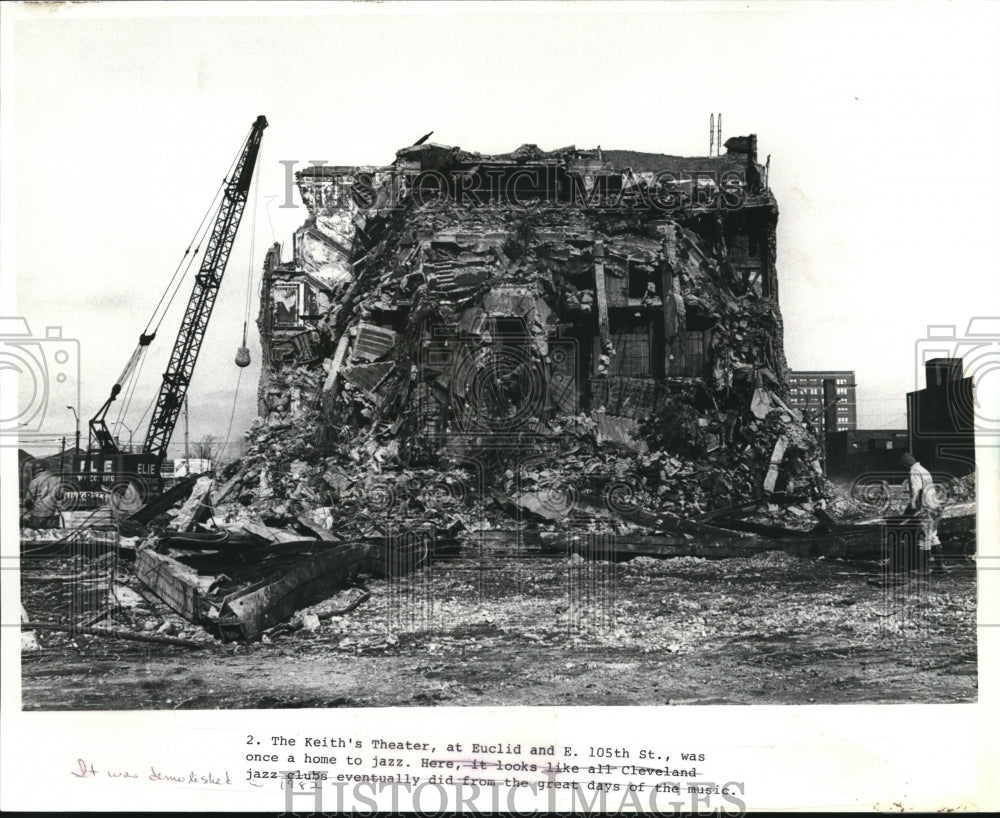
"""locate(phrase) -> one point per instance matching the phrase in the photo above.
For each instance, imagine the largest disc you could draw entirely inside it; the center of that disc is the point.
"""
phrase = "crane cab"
(97, 479)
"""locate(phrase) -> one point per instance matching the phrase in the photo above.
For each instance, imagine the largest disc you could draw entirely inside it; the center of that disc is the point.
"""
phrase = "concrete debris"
(70, 597)
(771, 479)
(239, 587)
(196, 508)
(761, 403)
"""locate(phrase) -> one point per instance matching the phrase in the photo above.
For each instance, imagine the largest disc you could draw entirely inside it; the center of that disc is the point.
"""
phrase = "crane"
(104, 462)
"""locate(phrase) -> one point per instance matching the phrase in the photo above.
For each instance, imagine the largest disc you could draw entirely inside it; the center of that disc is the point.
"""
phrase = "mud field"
(497, 630)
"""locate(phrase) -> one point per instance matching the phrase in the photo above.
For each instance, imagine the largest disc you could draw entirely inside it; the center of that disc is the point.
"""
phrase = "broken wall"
(564, 304)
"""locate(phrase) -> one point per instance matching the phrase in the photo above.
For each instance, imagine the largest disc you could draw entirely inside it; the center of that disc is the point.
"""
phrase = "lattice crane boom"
(199, 308)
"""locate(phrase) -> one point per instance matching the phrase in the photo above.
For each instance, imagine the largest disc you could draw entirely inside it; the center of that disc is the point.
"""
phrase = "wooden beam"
(247, 615)
(168, 499)
(674, 313)
(771, 478)
(222, 494)
(330, 384)
(862, 542)
(669, 315)
(113, 633)
(600, 288)
(163, 576)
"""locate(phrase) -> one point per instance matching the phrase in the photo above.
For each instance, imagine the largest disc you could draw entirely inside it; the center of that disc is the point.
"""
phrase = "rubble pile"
(549, 325)
(287, 479)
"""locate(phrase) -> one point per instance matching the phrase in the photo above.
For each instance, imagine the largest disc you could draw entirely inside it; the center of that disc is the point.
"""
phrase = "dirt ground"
(500, 630)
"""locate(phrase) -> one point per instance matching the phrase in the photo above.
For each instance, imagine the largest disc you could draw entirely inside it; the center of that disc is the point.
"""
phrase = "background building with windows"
(806, 395)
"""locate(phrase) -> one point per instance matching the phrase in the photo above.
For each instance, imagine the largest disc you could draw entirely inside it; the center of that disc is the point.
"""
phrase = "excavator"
(105, 471)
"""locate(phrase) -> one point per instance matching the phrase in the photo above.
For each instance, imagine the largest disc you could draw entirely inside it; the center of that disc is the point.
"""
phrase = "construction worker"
(926, 506)
(42, 499)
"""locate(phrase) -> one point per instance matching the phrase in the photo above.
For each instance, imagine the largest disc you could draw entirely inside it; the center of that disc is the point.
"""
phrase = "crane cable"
(130, 392)
(155, 394)
(133, 366)
(253, 245)
(232, 413)
(133, 369)
(204, 219)
(246, 312)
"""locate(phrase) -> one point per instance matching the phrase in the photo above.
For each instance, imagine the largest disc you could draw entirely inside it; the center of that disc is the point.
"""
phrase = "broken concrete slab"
(320, 531)
(777, 455)
(245, 616)
(197, 507)
(619, 431)
(264, 532)
(173, 583)
(368, 377)
(761, 403)
(372, 342)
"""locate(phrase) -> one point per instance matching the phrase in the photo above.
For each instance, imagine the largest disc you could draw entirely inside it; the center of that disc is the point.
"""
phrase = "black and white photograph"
(514, 394)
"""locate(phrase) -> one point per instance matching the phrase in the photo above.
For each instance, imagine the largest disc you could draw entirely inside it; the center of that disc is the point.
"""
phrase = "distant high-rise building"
(806, 395)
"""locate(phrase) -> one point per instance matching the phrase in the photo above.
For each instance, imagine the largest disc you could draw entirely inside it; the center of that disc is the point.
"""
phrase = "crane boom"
(199, 308)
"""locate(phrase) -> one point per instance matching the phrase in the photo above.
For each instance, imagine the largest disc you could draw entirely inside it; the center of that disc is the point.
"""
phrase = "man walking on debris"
(925, 506)
(41, 501)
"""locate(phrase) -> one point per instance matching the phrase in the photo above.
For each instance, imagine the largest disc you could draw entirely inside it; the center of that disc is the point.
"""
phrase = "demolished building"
(474, 354)
(531, 320)
(520, 354)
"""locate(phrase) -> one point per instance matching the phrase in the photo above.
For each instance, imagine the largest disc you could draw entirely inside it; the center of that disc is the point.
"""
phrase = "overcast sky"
(882, 123)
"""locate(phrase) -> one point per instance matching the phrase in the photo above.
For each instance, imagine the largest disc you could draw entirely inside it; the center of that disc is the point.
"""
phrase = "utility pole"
(829, 414)
(76, 417)
(62, 456)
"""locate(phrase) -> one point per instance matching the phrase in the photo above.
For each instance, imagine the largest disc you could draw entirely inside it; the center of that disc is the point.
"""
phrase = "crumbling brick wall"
(572, 304)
